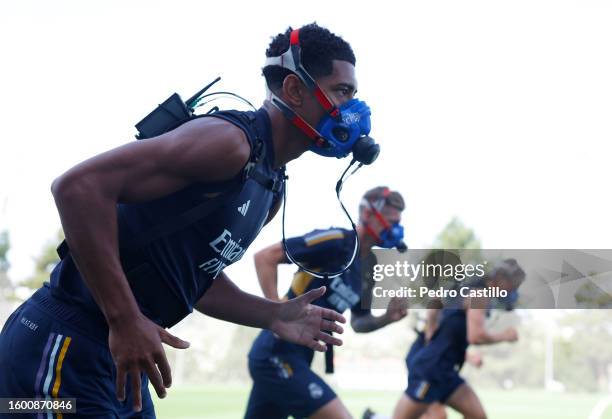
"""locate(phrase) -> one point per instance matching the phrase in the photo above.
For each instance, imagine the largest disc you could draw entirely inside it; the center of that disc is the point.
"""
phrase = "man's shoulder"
(217, 129)
(217, 148)
(330, 235)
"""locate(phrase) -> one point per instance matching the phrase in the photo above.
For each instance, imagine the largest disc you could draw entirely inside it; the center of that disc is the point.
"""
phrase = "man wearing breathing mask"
(143, 247)
(334, 122)
(283, 381)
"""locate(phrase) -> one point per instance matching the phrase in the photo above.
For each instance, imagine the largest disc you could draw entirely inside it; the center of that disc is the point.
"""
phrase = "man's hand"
(300, 322)
(474, 358)
(396, 310)
(136, 346)
(478, 334)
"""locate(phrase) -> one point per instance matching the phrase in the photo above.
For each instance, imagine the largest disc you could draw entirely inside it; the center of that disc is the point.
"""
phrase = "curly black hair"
(319, 48)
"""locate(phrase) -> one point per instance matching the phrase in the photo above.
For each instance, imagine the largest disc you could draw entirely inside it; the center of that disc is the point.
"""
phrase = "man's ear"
(366, 214)
(293, 91)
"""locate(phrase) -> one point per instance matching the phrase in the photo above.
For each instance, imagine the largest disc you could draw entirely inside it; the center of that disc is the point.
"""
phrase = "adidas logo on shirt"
(244, 208)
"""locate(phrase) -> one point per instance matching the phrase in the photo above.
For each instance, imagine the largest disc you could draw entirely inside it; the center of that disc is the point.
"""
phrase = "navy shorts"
(43, 354)
(284, 386)
(417, 345)
(431, 388)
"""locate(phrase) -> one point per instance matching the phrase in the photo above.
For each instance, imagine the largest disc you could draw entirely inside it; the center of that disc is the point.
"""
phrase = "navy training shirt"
(320, 250)
(185, 263)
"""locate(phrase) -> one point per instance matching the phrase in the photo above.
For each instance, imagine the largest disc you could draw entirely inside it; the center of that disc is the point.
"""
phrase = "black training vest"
(173, 248)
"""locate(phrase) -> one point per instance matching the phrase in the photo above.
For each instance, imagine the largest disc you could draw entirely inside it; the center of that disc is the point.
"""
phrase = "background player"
(433, 372)
(283, 382)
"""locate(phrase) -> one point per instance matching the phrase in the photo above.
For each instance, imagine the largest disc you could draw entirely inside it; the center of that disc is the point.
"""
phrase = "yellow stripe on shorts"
(58, 370)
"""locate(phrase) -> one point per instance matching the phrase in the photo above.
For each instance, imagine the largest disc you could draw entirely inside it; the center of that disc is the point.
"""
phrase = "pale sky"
(497, 112)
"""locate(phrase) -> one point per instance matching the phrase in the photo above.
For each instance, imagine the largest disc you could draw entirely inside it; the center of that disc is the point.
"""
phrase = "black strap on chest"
(252, 170)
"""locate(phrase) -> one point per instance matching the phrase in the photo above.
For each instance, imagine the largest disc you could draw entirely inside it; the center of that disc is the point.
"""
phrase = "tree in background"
(582, 350)
(44, 263)
(456, 236)
(6, 287)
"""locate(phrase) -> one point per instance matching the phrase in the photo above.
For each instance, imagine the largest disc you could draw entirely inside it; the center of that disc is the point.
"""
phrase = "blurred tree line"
(44, 262)
(585, 344)
(6, 286)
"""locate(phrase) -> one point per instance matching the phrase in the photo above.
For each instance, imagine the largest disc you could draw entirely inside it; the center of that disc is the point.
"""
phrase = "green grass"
(607, 414)
(202, 402)
(228, 402)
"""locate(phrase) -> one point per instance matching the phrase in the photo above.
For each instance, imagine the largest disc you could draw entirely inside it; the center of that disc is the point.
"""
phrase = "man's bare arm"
(365, 323)
(266, 266)
(295, 320)
(478, 334)
(206, 149)
(225, 301)
(431, 323)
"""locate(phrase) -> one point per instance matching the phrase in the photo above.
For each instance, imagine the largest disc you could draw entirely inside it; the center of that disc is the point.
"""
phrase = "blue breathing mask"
(392, 236)
(343, 129)
(343, 132)
(509, 301)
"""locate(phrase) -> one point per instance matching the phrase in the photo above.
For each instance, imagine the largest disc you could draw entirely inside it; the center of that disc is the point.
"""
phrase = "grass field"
(211, 402)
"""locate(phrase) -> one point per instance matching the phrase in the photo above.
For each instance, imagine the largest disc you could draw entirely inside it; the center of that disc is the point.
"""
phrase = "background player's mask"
(391, 236)
(510, 300)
